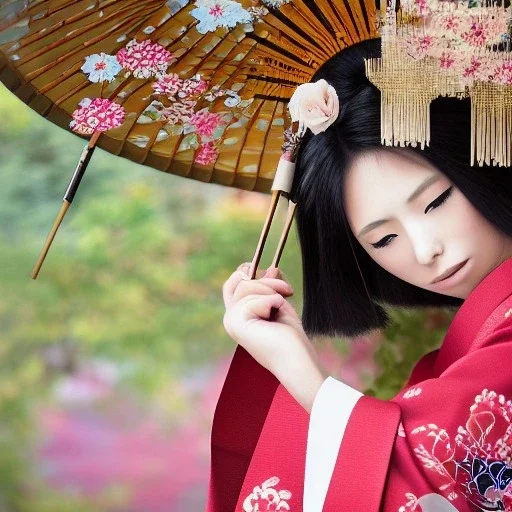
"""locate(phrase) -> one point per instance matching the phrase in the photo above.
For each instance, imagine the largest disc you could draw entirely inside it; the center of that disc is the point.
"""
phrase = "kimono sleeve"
(444, 444)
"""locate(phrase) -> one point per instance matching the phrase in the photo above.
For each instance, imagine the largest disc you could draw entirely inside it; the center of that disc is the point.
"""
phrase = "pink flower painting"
(96, 115)
(145, 59)
(207, 154)
(205, 122)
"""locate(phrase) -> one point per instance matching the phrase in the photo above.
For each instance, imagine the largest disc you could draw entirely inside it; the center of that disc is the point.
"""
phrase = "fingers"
(234, 289)
(261, 306)
(230, 286)
(263, 286)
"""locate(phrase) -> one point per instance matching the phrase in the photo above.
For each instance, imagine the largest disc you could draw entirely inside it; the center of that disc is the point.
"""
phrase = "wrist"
(302, 377)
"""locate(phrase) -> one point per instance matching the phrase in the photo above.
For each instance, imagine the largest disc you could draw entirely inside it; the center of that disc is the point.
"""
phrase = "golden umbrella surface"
(197, 89)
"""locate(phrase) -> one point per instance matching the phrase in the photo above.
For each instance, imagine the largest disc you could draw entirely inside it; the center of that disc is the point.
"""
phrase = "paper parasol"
(198, 89)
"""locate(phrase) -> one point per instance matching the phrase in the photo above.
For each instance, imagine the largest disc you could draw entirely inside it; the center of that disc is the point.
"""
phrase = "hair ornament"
(459, 49)
(314, 105)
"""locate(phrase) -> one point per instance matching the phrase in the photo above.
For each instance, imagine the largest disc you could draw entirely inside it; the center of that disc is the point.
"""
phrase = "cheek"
(466, 223)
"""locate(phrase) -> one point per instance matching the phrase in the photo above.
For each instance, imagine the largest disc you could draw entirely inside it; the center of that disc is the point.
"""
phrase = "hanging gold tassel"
(491, 115)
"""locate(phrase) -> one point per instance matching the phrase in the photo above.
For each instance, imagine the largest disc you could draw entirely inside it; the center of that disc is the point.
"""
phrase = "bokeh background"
(112, 361)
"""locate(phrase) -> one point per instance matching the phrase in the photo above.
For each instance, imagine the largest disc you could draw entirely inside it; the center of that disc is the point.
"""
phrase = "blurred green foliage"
(134, 275)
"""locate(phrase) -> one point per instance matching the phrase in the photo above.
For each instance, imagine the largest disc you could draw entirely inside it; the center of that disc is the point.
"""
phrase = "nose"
(426, 245)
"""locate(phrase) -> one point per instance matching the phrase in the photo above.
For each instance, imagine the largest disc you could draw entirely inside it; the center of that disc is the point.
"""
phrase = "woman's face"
(417, 225)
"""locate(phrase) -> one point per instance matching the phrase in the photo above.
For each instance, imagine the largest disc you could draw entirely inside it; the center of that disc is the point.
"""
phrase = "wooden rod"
(67, 200)
(264, 233)
(50, 237)
(284, 234)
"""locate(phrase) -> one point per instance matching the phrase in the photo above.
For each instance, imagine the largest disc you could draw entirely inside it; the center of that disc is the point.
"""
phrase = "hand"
(260, 319)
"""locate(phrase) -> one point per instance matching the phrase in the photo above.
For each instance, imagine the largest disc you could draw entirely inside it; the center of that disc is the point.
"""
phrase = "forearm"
(302, 377)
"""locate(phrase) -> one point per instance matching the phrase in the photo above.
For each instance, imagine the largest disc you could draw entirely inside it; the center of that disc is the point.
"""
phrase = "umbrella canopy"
(198, 89)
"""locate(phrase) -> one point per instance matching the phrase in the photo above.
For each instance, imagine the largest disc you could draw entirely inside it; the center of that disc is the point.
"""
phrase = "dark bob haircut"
(344, 289)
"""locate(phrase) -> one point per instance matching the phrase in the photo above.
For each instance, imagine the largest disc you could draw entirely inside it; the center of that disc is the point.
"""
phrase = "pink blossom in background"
(96, 115)
(100, 440)
(102, 436)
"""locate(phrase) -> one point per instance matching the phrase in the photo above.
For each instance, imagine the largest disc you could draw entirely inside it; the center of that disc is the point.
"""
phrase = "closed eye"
(440, 200)
(383, 242)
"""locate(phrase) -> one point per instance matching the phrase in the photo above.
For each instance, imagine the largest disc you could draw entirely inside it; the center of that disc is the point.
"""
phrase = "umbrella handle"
(67, 200)
(49, 238)
(264, 233)
(284, 234)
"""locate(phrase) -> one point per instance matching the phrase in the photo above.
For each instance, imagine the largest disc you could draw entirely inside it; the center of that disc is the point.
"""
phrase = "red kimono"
(442, 444)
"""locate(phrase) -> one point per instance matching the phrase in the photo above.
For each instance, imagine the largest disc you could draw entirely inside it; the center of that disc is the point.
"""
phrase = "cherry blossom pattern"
(219, 13)
(207, 154)
(96, 115)
(502, 74)
(145, 59)
(101, 67)
(175, 106)
(477, 463)
(172, 85)
(205, 122)
(267, 498)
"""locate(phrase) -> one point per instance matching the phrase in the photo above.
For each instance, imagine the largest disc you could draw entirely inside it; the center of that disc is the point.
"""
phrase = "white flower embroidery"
(101, 67)
(267, 498)
(401, 430)
(412, 392)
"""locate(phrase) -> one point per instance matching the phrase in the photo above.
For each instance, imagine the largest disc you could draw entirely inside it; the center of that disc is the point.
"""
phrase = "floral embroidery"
(144, 59)
(412, 392)
(101, 67)
(96, 115)
(503, 74)
(478, 461)
(219, 13)
(427, 503)
(508, 313)
(266, 498)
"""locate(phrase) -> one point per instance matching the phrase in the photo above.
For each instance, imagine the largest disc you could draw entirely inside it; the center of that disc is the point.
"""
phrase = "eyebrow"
(423, 186)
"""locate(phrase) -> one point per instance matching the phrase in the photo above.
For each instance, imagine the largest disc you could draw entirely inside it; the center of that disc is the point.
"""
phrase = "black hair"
(337, 300)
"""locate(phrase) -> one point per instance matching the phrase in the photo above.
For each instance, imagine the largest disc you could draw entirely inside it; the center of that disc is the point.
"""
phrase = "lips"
(449, 272)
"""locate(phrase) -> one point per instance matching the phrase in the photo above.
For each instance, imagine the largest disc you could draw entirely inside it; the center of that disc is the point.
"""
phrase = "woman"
(377, 226)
